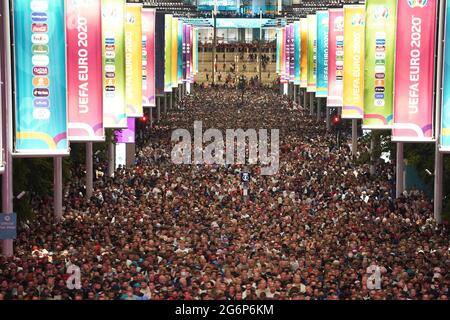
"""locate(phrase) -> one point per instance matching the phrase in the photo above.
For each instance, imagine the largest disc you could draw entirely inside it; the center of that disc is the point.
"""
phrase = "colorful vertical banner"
(196, 50)
(335, 58)
(288, 53)
(322, 54)
(133, 60)
(174, 64)
(2, 94)
(160, 52)
(148, 58)
(191, 55)
(444, 145)
(113, 49)
(283, 56)
(180, 52)
(414, 74)
(168, 53)
(291, 53)
(304, 53)
(297, 52)
(312, 52)
(185, 50)
(40, 75)
(84, 79)
(278, 69)
(353, 100)
(379, 64)
(127, 135)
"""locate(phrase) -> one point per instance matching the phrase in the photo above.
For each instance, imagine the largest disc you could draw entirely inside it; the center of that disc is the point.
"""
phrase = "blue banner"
(297, 52)
(40, 72)
(445, 112)
(322, 54)
(8, 226)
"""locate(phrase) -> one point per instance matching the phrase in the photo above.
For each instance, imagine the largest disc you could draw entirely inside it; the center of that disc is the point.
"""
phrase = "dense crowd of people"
(250, 47)
(322, 228)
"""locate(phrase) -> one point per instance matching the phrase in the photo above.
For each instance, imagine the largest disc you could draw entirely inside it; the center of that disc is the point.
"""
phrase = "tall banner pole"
(439, 157)
(354, 137)
(319, 107)
(111, 159)
(328, 120)
(7, 176)
(400, 169)
(372, 169)
(89, 169)
(158, 108)
(57, 188)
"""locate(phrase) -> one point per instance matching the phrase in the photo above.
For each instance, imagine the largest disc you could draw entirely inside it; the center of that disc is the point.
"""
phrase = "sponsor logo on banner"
(379, 89)
(110, 75)
(39, 17)
(41, 82)
(41, 103)
(39, 5)
(380, 69)
(41, 92)
(39, 27)
(110, 68)
(110, 88)
(379, 102)
(39, 49)
(40, 71)
(379, 96)
(40, 60)
(379, 75)
(110, 54)
(41, 113)
(39, 38)
(380, 55)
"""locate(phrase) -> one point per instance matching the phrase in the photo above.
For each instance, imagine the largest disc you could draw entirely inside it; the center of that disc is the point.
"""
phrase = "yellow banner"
(133, 60)
(304, 53)
(354, 25)
(174, 52)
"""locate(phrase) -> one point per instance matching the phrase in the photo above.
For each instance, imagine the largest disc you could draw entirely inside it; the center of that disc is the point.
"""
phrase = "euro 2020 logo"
(339, 24)
(358, 20)
(417, 3)
(380, 13)
(131, 19)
